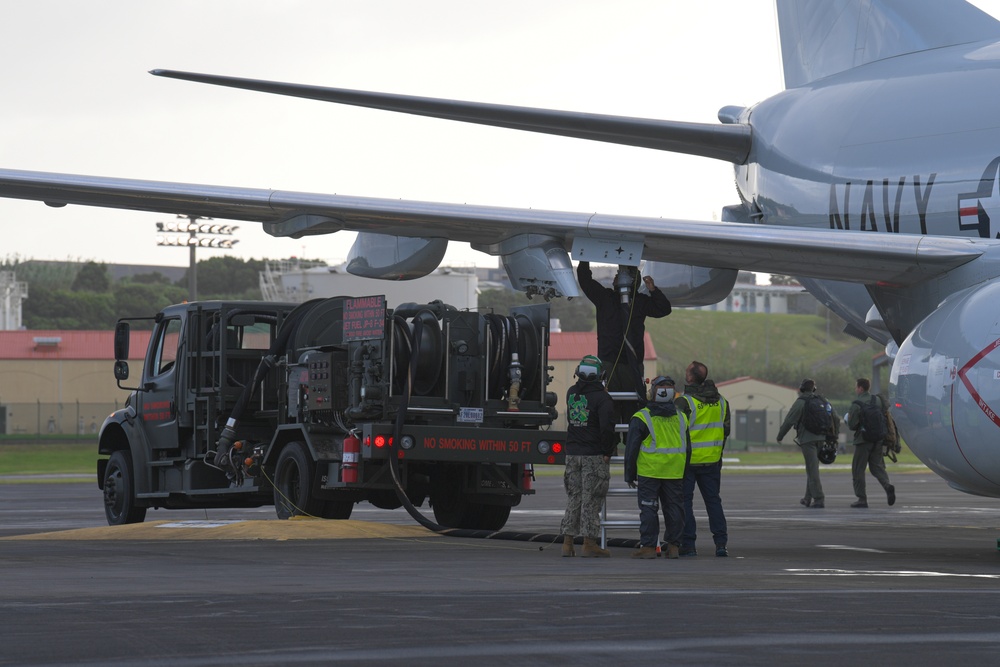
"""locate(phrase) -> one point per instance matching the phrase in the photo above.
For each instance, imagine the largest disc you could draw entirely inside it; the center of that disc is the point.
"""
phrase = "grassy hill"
(777, 348)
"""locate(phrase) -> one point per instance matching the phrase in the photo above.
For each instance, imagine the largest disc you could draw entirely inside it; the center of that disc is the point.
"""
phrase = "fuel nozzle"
(514, 398)
(625, 283)
(226, 440)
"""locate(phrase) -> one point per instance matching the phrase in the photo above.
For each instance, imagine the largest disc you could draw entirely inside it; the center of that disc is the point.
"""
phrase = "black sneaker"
(721, 552)
(860, 503)
(818, 506)
(890, 492)
(687, 552)
(805, 502)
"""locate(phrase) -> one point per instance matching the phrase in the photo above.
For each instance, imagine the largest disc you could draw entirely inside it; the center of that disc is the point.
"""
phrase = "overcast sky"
(77, 98)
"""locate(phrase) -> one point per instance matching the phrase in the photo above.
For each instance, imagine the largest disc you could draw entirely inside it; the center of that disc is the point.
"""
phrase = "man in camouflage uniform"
(590, 443)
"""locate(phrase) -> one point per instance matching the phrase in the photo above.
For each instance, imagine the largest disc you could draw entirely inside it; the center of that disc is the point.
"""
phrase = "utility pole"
(193, 241)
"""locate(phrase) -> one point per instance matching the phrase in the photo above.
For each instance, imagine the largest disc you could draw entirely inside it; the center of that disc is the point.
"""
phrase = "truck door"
(157, 404)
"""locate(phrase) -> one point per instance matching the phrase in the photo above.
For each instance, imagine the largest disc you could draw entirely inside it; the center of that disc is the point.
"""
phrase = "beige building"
(60, 382)
(757, 408)
(291, 281)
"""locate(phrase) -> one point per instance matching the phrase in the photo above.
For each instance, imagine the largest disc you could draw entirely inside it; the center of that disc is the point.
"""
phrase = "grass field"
(80, 459)
(49, 459)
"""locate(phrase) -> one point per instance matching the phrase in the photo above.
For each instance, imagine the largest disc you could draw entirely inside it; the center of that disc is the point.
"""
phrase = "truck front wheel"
(119, 491)
(293, 482)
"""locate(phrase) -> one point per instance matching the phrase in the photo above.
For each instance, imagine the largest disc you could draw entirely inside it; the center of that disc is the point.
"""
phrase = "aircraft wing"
(854, 256)
(729, 142)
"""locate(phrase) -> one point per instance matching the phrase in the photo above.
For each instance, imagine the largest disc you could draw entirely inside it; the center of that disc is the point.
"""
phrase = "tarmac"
(917, 582)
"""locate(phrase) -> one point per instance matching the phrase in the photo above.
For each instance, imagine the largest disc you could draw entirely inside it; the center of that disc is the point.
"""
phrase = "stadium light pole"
(193, 241)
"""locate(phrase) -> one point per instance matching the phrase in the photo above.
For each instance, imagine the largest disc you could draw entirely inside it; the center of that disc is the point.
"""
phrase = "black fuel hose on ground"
(544, 538)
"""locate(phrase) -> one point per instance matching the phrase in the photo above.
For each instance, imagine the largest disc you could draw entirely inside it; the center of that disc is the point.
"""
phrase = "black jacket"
(591, 417)
(612, 317)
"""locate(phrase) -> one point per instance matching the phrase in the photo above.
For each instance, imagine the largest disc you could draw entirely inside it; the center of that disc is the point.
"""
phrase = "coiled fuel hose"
(543, 538)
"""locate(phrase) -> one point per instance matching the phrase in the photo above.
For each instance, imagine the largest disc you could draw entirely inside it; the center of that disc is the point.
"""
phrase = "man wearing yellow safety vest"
(709, 422)
(656, 454)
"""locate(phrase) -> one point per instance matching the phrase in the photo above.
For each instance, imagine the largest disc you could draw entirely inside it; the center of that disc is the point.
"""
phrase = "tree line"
(83, 295)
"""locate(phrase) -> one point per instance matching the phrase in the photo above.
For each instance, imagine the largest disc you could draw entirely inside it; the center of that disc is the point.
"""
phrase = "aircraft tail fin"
(823, 37)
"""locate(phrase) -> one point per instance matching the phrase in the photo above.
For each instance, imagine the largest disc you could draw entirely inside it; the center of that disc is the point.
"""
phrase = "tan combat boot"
(644, 552)
(592, 550)
(567, 550)
(673, 551)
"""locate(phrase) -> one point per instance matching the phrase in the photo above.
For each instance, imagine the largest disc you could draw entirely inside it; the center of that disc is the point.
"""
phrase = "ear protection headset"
(590, 369)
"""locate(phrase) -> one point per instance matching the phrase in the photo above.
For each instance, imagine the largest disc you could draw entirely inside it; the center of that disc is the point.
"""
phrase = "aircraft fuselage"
(907, 145)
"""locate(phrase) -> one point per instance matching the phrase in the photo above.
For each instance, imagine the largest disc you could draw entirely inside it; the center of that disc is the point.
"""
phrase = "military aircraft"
(873, 178)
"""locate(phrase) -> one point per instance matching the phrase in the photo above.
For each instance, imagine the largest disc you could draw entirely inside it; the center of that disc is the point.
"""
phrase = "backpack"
(873, 423)
(815, 417)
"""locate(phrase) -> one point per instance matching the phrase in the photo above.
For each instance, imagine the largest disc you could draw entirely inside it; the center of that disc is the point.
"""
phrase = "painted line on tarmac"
(888, 573)
(845, 547)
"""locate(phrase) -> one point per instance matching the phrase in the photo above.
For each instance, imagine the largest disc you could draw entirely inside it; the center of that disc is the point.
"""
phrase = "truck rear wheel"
(492, 517)
(450, 508)
(338, 509)
(453, 509)
(293, 481)
(119, 491)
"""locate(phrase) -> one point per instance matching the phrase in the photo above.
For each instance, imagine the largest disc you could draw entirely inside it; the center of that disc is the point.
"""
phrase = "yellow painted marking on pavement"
(275, 530)
(889, 573)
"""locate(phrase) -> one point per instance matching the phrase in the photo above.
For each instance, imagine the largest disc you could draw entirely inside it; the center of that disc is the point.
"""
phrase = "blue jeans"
(708, 478)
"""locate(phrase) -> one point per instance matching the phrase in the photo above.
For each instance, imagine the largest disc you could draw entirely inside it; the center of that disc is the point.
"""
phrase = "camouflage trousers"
(586, 480)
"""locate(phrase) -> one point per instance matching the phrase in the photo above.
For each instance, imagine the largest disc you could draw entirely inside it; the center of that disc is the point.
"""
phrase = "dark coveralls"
(621, 329)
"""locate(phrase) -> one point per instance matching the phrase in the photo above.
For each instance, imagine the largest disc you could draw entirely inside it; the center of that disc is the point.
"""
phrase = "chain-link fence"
(54, 419)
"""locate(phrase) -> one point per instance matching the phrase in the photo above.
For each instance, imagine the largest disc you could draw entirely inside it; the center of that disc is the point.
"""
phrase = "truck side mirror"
(121, 370)
(121, 346)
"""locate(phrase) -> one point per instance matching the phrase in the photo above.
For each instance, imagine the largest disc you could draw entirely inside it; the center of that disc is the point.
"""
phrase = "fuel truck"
(315, 407)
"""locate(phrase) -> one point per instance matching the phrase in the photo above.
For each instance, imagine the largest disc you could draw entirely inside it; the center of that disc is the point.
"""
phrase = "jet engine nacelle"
(691, 285)
(389, 257)
(945, 390)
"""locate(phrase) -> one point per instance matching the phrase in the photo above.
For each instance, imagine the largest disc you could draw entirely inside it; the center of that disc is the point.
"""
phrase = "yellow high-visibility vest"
(708, 433)
(663, 452)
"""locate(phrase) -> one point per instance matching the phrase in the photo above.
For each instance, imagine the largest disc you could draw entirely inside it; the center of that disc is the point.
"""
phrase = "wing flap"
(850, 256)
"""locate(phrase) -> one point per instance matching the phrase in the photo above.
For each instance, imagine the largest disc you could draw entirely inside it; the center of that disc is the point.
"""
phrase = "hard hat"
(827, 452)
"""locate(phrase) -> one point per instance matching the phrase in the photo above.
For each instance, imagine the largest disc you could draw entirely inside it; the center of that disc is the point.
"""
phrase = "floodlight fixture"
(192, 227)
